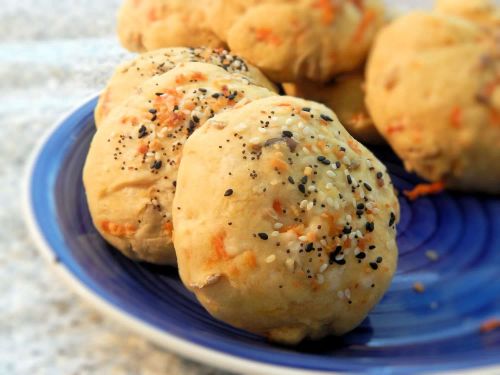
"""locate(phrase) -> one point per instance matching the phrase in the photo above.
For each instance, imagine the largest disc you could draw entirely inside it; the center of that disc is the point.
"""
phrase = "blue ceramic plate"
(408, 332)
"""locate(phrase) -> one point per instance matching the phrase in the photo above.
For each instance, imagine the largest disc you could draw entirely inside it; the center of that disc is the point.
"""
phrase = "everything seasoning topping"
(263, 236)
(228, 192)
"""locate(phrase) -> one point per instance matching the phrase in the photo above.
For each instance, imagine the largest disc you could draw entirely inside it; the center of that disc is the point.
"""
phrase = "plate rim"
(172, 343)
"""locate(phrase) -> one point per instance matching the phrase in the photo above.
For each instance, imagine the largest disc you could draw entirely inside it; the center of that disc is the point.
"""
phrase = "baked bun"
(131, 168)
(433, 92)
(345, 95)
(302, 39)
(483, 12)
(145, 25)
(131, 74)
(284, 224)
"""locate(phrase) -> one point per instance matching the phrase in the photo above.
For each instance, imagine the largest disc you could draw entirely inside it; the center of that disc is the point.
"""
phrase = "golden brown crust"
(432, 90)
(131, 168)
(293, 40)
(284, 223)
(129, 75)
(146, 25)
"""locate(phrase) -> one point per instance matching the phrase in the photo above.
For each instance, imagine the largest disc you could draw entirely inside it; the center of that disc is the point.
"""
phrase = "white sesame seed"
(359, 234)
(150, 154)
(311, 188)
(321, 136)
(368, 163)
(271, 258)
(329, 186)
(290, 264)
(278, 225)
(323, 242)
(369, 205)
(274, 118)
(310, 205)
(356, 251)
(330, 174)
(254, 140)
(352, 235)
(289, 121)
(330, 202)
(348, 218)
(339, 257)
(362, 194)
(347, 293)
(300, 125)
(320, 279)
(157, 156)
(323, 267)
(303, 204)
(241, 126)
(333, 166)
(340, 294)
(305, 150)
(307, 130)
(346, 172)
(303, 238)
(336, 205)
(262, 130)
(275, 234)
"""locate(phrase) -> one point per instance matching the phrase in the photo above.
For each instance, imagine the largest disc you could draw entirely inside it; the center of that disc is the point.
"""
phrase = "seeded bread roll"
(131, 74)
(146, 25)
(433, 92)
(345, 95)
(305, 39)
(131, 169)
(292, 232)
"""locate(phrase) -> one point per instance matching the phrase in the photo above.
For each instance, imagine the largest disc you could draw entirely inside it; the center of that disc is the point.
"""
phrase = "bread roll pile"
(281, 222)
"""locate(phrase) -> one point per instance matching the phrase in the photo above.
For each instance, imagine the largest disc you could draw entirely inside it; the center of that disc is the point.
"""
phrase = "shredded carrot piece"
(328, 10)
(358, 4)
(152, 14)
(368, 18)
(456, 117)
(143, 148)
(116, 229)
(489, 325)
(424, 189)
(265, 34)
(279, 164)
(354, 146)
(169, 227)
(419, 287)
(277, 206)
(495, 116)
(394, 128)
(218, 245)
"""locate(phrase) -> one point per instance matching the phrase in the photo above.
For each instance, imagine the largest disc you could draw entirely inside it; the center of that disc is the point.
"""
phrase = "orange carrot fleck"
(456, 117)
(495, 116)
(143, 148)
(424, 189)
(152, 14)
(489, 325)
(418, 287)
(354, 145)
(368, 18)
(394, 128)
(265, 34)
(169, 227)
(279, 164)
(218, 245)
(277, 206)
(328, 10)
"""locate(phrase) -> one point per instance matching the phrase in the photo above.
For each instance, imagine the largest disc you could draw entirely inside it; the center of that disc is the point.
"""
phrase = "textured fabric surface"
(53, 54)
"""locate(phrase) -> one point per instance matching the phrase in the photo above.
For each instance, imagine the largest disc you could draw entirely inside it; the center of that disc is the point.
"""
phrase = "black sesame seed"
(347, 229)
(196, 119)
(264, 236)
(368, 187)
(302, 188)
(379, 259)
(349, 179)
(306, 109)
(379, 175)
(156, 164)
(142, 131)
(323, 160)
(370, 226)
(158, 93)
(152, 111)
(309, 247)
(373, 265)
(228, 192)
(360, 206)
(361, 256)
(216, 95)
(232, 95)
(337, 164)
(371, 247)
(303, 180)
(392, 219)
(342, 149)
(325, 117)
(291, 180)
(287, 134)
